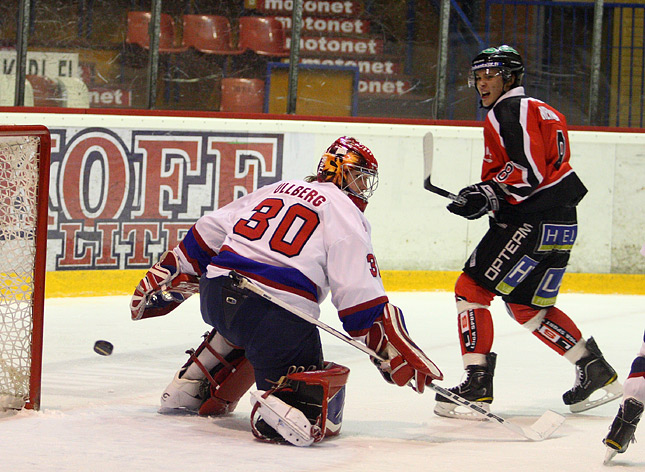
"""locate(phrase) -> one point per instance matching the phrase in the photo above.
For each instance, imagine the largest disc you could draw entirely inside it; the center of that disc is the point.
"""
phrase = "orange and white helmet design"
(350, 166)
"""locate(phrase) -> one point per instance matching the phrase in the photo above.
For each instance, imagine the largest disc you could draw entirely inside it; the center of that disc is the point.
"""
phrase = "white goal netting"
(19, 166)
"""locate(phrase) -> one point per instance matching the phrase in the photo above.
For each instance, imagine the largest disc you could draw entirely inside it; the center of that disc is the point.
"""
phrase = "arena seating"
(46, 91)
(242, 95)
(263, 35)
(210, 34)
(137, 32)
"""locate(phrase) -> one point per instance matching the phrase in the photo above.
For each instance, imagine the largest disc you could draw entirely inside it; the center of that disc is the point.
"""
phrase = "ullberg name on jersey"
(306, 193)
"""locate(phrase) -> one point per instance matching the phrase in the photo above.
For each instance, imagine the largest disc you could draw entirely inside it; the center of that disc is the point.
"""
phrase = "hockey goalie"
(298, 240)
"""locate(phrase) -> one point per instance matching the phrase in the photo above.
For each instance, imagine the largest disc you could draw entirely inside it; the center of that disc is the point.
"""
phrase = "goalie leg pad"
(327, 388)
(319, 395)
(289, 422)
(212, 381)
(208, 355)
(228, 386)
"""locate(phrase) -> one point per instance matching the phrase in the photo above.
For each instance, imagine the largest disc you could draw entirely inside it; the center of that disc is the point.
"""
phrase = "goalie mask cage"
(24, 197)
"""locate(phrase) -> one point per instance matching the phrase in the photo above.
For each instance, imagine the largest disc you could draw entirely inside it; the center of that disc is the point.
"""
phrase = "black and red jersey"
(527, 151)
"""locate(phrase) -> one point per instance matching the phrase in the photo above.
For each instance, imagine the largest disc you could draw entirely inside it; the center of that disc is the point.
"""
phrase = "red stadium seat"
(242, 95)
(137, 32)
(209, 34)
(46, 91)
(263, 35)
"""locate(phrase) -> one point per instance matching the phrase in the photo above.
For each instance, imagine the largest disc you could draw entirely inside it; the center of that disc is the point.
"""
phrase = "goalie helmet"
(505, 58)
(350, 166)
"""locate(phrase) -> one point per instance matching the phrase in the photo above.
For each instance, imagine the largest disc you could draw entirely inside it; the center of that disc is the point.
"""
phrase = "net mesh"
(18, 214)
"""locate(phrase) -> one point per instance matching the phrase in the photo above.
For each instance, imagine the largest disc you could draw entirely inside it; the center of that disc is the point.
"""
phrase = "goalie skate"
(286, 420)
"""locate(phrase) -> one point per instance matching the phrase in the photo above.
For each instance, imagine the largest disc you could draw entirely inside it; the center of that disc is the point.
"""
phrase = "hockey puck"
(104, 348)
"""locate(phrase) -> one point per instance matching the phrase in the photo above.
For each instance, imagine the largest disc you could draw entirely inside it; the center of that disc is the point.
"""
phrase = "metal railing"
(556, 40)
(585, 58)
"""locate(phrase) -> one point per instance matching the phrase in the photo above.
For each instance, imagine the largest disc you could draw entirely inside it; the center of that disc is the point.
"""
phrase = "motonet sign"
(119, 198)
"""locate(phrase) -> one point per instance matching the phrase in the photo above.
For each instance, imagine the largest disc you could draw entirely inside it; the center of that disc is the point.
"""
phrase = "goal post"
(24, 198)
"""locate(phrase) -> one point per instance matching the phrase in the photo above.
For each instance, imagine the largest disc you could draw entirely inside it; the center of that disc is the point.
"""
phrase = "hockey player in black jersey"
(530, 193)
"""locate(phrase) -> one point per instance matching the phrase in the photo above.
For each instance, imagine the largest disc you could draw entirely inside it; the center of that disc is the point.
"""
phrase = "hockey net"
(24, 181)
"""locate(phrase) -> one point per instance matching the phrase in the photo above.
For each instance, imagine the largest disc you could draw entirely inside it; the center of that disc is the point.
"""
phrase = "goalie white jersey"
(298, 240)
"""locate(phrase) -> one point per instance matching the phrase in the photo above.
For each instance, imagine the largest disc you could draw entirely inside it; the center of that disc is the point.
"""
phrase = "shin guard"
(475, 322)
(228, 382)
(550, 325)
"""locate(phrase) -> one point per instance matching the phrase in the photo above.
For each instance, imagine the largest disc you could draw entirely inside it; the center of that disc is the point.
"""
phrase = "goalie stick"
(541, 429)
(428, 152)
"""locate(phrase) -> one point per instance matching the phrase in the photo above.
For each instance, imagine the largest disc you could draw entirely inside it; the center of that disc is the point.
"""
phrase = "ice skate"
(478, 388)
(621, 431)
(278, 421)
(593, 374)
(183, 396)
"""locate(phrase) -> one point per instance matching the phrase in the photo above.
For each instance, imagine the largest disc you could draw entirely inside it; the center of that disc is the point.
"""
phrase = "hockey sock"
(475, 322)
(553, 327)
(475, 332)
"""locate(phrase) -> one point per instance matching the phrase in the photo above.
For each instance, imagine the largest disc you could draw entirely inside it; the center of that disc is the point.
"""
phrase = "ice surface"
(99, 413)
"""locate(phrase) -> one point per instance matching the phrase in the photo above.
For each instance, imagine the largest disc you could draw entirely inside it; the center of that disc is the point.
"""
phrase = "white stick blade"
(545, 426)
(428, 151)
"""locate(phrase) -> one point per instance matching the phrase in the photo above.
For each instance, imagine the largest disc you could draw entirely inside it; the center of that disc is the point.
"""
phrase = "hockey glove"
(477, 199)
(404, 361)
(162, 289)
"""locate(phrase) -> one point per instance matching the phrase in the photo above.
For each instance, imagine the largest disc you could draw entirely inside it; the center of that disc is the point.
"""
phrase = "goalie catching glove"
(404, 363)
(477, 199)
(162, 289)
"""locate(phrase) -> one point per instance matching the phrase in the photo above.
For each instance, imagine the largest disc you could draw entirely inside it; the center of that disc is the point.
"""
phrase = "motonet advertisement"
(119, 198)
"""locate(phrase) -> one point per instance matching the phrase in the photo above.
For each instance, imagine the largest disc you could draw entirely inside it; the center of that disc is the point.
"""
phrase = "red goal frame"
(40, 260)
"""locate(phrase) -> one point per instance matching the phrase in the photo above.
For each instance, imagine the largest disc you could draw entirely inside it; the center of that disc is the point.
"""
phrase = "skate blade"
(612, 392)
(609, 455)
(177, 411)
(452, 410)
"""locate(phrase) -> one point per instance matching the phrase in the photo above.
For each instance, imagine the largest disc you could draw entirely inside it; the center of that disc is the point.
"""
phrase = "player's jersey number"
(292, 232)
(562, 149)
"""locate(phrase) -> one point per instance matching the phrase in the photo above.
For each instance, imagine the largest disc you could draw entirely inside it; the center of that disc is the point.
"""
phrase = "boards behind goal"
(24, 196)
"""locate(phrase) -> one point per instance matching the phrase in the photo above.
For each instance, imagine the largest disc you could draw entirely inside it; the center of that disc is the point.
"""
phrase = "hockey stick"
(544, 427)
(428, 152)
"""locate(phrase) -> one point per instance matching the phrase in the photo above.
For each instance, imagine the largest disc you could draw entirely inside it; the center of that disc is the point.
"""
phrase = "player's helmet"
(350, 166)
(505, 58)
